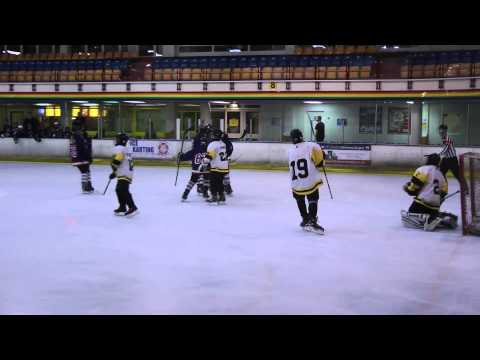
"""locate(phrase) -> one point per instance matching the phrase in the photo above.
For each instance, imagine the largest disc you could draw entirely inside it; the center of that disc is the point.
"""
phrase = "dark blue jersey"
(198, 152)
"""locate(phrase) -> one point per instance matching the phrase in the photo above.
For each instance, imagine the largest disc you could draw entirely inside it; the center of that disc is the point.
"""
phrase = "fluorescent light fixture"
(111, 102)
(312, 102)
(11, 52)
(235, 50)
(148, 65)
(319, 46)
(43, 104)
(134, 102)
(151, 104)
(411, 102)
(90, 104)
(396, 47)
(79, 101)
(220, 102)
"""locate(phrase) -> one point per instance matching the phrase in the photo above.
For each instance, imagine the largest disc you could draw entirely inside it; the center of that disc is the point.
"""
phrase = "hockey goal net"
(470, 193)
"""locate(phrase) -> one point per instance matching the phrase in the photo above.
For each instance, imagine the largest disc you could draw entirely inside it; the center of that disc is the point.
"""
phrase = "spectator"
(67, 134)
(56, 131)
(6, 132)
(18, 133)
(35, 128)
(319, 130)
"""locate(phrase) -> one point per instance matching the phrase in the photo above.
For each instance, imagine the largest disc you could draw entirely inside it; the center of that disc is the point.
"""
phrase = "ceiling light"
(312, 102)
(79, 101)
(134, 102)
(89, 104)
(319, 46)
(235, 50)
(11, 52)
(396, 47)
(233, 105)
(220, 102)
(148, 65)
(411, 102)
(43, 104)
(111, 102)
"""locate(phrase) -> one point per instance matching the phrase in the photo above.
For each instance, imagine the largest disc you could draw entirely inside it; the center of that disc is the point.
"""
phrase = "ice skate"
(131, 212)
(312, 226)
(184, 196)
(120, 211)
(228, 190)
(221, 199)
(213, 199)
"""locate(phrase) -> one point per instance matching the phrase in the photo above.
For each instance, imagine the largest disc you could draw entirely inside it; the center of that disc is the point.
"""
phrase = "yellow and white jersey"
(217, 151)
(431, 183)
(303, 160)
(123, 155)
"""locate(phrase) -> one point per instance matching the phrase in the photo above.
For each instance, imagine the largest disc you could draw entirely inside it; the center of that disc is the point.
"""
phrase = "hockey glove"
(112, 176)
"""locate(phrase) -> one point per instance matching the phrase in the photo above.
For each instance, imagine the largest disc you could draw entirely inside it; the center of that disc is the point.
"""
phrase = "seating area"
(441, 64)
(47, 71)
(240, 68)
(335, 50)
(109, 55)
(259, 68)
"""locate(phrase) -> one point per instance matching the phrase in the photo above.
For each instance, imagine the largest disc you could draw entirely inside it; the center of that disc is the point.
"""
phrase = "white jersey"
(303, 159)
(217, 150)
(123, 154)
(433, 182)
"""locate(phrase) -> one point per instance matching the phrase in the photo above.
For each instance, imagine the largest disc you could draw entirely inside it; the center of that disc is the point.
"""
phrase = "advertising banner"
(345, 154)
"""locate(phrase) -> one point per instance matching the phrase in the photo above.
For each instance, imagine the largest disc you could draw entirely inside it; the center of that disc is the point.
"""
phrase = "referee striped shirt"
(448, 150)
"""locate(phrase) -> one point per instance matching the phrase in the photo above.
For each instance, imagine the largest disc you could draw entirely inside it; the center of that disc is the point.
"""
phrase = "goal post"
(470, 193)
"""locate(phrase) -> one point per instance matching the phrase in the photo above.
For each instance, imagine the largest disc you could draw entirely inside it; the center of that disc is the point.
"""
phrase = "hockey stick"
(328, 184)
(181, 150)
(109, 180)
(451, 195)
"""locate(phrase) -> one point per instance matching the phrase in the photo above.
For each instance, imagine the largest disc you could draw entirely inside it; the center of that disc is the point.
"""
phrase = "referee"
(319, 130)
(449, 160)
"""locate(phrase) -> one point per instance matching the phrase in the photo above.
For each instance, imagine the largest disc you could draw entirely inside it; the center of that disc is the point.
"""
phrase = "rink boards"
(244, 152)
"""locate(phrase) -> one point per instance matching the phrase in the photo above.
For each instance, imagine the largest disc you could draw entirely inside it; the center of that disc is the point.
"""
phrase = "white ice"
(62, 252)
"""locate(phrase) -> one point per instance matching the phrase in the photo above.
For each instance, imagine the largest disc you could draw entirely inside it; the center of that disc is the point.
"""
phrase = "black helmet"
(296, 135)
(121, 139)
(433, 159)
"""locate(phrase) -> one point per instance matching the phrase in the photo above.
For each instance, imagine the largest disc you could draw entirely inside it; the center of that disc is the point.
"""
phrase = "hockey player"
(216, 158)
(226, 178)
(122, 165)
(196, 155)
(81, 154)
(304, 158)
(429, 187)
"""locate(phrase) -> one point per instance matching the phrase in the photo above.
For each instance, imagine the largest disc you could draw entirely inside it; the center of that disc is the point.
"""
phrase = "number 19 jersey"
(217, 151)
(303, 160)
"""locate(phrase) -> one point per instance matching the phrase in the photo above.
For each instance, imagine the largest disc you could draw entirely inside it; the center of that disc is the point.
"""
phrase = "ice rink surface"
(62, 252)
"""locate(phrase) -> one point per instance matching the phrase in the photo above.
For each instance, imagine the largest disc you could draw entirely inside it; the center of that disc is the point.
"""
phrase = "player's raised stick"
(181, 150)
(449, 196)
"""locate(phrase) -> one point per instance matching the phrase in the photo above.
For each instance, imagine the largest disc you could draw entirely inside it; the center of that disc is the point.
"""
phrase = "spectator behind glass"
(67, 134)
(56, 131)
(18, 133)
(6, 131)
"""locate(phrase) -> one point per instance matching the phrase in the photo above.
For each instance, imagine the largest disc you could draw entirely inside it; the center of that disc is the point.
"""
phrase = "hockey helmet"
(121, 139)
(433, 159)
(296, 135)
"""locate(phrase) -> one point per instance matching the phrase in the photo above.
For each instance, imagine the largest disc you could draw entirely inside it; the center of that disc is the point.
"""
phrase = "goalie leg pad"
(450, 221)
(414, 220)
